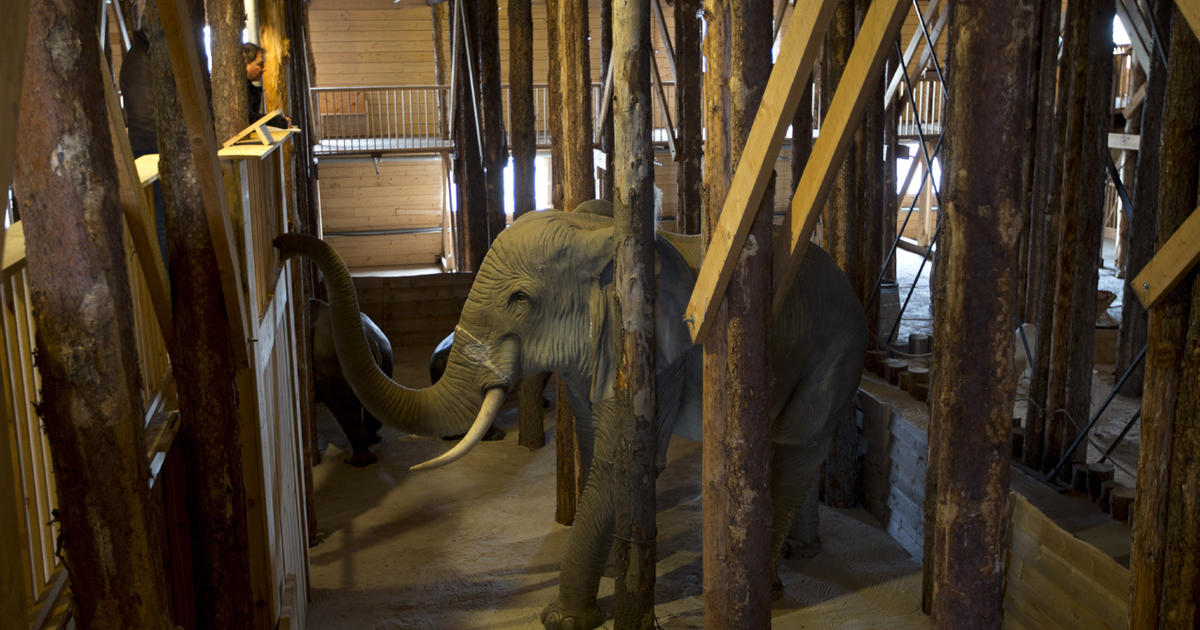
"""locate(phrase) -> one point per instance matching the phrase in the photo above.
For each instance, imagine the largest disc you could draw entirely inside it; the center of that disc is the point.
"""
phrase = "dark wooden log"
(891, 200)
(632, 168)
(554, 98)
(1166, 545)
(495, 145)
(1041, 270)
(66, 184)
(576, 108)
(205, 373)
(468, 163)
(920, 343)
(606, 130)
(1097, 474)
(1121, 505)
(892, 369)
(231, 111)
(1105, 500)
(736, 505)
(874, 360)
(689, 101)
(1133, 126)
(1131, 337)
(971, 414)
(868, 156)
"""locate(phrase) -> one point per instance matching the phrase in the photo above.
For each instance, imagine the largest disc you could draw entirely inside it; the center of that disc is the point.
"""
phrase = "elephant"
(543, 300)
(359, 425)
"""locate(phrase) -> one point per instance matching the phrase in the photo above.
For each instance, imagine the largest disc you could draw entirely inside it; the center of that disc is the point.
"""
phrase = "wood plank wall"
(407, 193)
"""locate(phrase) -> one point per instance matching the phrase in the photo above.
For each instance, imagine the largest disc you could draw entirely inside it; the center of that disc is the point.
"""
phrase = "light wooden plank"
(193, 98)
(801, 43)
(910, 52)
(878, 31)
(1140, 48)
(139, 216)
(1127, 141)
(1191, 12)
(1135, 101)
(14, 249)
(1171, 263)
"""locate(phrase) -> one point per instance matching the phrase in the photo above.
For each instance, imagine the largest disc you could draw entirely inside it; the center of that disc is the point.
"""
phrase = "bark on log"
(468, 162)
(632, 167)
(554, 97)
(971, 412)
(231, 108)
(1166, 546)
(689, 102)
(607, 130)
(495, 145)
(1041, 270)
(85, 351)
(1132, 335)
(210, 436)
(737, 553)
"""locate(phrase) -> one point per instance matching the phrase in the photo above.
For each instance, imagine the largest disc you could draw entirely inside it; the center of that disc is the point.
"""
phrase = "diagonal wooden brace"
(1177, 257)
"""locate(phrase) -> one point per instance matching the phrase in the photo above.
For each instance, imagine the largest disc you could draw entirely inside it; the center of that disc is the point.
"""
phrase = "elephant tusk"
(487, 413)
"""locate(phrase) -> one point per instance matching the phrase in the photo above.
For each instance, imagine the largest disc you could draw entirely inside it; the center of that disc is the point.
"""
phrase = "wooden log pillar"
(1082, 211)
(1132, 334)
(737, 447)
(632, 169)
(1041, 272)
(532, 433)
(891, 201)
(231, 107)
(839, 485)
(554, 104)
(607, 130)
(1165, 557)
(577, 172)
(210, 434)
(689, 103)
(468, 155)
(66, 183)
(495, 145)
(868, 158)
(971, 412)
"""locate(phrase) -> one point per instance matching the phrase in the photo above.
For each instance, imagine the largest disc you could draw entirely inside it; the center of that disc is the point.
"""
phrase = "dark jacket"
(254, 98)
(138, 93)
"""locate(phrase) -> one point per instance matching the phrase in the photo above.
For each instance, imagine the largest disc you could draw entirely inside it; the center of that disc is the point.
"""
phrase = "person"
(253, 55)
(137, 93)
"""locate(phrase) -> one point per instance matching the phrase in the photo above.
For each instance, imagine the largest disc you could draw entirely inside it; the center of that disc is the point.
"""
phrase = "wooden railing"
(926, 105)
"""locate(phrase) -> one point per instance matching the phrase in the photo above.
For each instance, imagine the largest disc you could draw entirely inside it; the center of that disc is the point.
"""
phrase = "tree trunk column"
(1166, 527)
(231, 109)
(66, 183)
(689, 102)
(737, 444)
(495, 146)
(971, 413)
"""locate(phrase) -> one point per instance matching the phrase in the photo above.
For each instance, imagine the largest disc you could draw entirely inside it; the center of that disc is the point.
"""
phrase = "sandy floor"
(474, 545)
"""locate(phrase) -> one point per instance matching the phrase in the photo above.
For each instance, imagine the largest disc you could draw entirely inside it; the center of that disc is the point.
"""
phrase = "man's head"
(253, 56)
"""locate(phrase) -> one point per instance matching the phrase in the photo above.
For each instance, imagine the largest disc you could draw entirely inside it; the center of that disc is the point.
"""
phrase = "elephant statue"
(437, 366)
(360, 427)
(543, 300)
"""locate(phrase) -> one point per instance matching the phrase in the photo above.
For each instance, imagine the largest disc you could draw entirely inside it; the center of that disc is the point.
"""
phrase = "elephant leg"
(350, 417)
(796, 470)
(371, 426)
(588, 548)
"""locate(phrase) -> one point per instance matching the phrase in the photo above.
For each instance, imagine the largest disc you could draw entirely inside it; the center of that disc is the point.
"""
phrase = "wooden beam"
(1141, 48)
(1168, 267)
(193, 98)
(797, 54)
(1135, 101)
(139, 217)
(911, 51)
(1126, 141)
(879, 29)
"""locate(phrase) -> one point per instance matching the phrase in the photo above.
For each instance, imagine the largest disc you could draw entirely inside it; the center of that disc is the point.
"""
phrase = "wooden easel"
(259, 132)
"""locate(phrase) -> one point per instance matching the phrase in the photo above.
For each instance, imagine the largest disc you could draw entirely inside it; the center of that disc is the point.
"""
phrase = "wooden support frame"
(260, 130)
(139, 217)
(1136, 29)
(185, 65)
(1168, 267)
(879, 28)
(798, 52)
(927, 53)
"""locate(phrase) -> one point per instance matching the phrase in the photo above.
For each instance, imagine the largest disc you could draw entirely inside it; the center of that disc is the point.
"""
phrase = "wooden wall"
(407, 193)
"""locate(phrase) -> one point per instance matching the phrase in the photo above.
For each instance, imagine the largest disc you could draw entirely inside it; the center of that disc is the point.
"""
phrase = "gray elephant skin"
(360, 427)
(543, 300)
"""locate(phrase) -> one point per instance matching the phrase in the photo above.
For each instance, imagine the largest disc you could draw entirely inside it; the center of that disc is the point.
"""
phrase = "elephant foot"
(801, 549)
(361, 458)
(374, 439)
(556, 617)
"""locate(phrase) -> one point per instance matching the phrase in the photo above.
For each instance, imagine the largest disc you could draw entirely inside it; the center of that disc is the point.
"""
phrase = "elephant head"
(541, 302)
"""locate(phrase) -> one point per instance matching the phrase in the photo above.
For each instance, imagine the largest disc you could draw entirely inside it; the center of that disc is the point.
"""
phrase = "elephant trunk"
(446, 408)
(487, 413)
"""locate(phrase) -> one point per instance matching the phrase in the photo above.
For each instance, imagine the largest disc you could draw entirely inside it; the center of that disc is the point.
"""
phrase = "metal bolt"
(1146, 286)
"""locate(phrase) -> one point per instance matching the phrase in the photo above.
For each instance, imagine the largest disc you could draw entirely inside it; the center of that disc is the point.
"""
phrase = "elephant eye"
(518, 296)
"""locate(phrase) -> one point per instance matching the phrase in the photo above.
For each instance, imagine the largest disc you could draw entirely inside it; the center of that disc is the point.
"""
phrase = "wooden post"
(1088, 121)
(1166, 521)
(231, 110)
(205, 373)
(689, 103)
(632, 168)
(66, 181)
(554, 104)
(440, 16)
(495, 146)
(1132, 335)
(1042, 218)
(468, 164)
(737, 446)
(607, 131)
(891, 202)
(971, 412)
